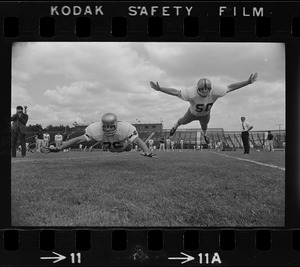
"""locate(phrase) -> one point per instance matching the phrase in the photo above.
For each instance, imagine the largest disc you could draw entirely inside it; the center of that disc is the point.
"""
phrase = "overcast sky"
(67, 81)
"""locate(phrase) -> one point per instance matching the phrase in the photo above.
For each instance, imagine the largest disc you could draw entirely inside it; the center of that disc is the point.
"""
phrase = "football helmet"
(203, 87)
(109, 124)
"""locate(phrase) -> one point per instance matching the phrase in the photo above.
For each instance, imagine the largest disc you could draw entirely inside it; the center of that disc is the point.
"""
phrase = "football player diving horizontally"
(201, 100)
(116, 136)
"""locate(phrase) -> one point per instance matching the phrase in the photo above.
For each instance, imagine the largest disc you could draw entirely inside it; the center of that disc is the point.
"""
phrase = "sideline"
(252, 161)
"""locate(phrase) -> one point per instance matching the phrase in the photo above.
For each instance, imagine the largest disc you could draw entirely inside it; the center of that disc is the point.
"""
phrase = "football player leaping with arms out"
(201, 99)
(116, 136)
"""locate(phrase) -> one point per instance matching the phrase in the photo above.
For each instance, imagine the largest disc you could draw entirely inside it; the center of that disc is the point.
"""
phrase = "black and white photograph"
(148, 134)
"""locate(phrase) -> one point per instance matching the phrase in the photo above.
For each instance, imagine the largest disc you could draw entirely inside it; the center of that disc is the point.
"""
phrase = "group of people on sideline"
(168, 144)
(18, 135)
(42, 139)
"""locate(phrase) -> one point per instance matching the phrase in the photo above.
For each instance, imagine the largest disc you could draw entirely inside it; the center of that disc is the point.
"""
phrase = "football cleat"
(173, 130)
(206, 138)
(109, 124)
(149, 155)
(54, 149)
(44, 150)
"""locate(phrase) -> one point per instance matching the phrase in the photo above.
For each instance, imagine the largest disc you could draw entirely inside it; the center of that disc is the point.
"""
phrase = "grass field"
(203, 189)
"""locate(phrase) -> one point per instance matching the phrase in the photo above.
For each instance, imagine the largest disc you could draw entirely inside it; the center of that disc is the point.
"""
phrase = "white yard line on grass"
(252, 161)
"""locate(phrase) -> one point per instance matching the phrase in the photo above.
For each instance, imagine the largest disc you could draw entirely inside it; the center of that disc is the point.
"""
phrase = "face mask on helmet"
(204, 87)
(109, 124)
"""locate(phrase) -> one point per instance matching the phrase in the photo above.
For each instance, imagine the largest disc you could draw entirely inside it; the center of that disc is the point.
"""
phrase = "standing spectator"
(80, 147)
(162, 143)
(181, 145)
(39, 140)
(172, 145)
(218, 146)
(246, 127)
(270, 141)
(65, 137)
(266, 144)
(168, 143)
(46, 140)
(18, 130)
(27, 147)
(151, 141)
(222, 146)
(58, 139)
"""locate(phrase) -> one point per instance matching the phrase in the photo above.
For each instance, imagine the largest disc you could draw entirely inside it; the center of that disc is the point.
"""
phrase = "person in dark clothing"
(65, 138)
(39, 140)
(162, 143)
(18, 130)
(270, 141)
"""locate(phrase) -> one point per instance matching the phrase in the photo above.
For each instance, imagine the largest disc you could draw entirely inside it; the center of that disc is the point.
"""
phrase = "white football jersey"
(58, 137)
(200, 106)
(168, 141)
(151, 142)
(46, 137)
(245, 126)
(125, 135)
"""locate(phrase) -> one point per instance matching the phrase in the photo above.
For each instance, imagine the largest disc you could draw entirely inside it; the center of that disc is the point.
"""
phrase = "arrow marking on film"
(187, 258)
(56, 258)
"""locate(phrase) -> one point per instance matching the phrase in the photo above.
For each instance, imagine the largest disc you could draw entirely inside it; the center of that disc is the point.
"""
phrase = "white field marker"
(252, 161)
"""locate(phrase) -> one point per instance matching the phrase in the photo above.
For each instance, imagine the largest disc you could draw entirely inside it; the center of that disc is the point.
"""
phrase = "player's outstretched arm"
(73, 141)
(235, 86)
(144, 147)
(169, 91)
(138, 141)
(67, 144)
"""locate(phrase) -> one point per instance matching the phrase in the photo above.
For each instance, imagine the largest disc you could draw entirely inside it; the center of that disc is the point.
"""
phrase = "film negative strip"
(92, 79)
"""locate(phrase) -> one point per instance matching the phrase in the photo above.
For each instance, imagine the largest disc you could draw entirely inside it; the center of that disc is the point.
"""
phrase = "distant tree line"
(50, 128)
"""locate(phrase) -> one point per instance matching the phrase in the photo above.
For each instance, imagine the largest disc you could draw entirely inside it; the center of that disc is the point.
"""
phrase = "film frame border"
(280, 28)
